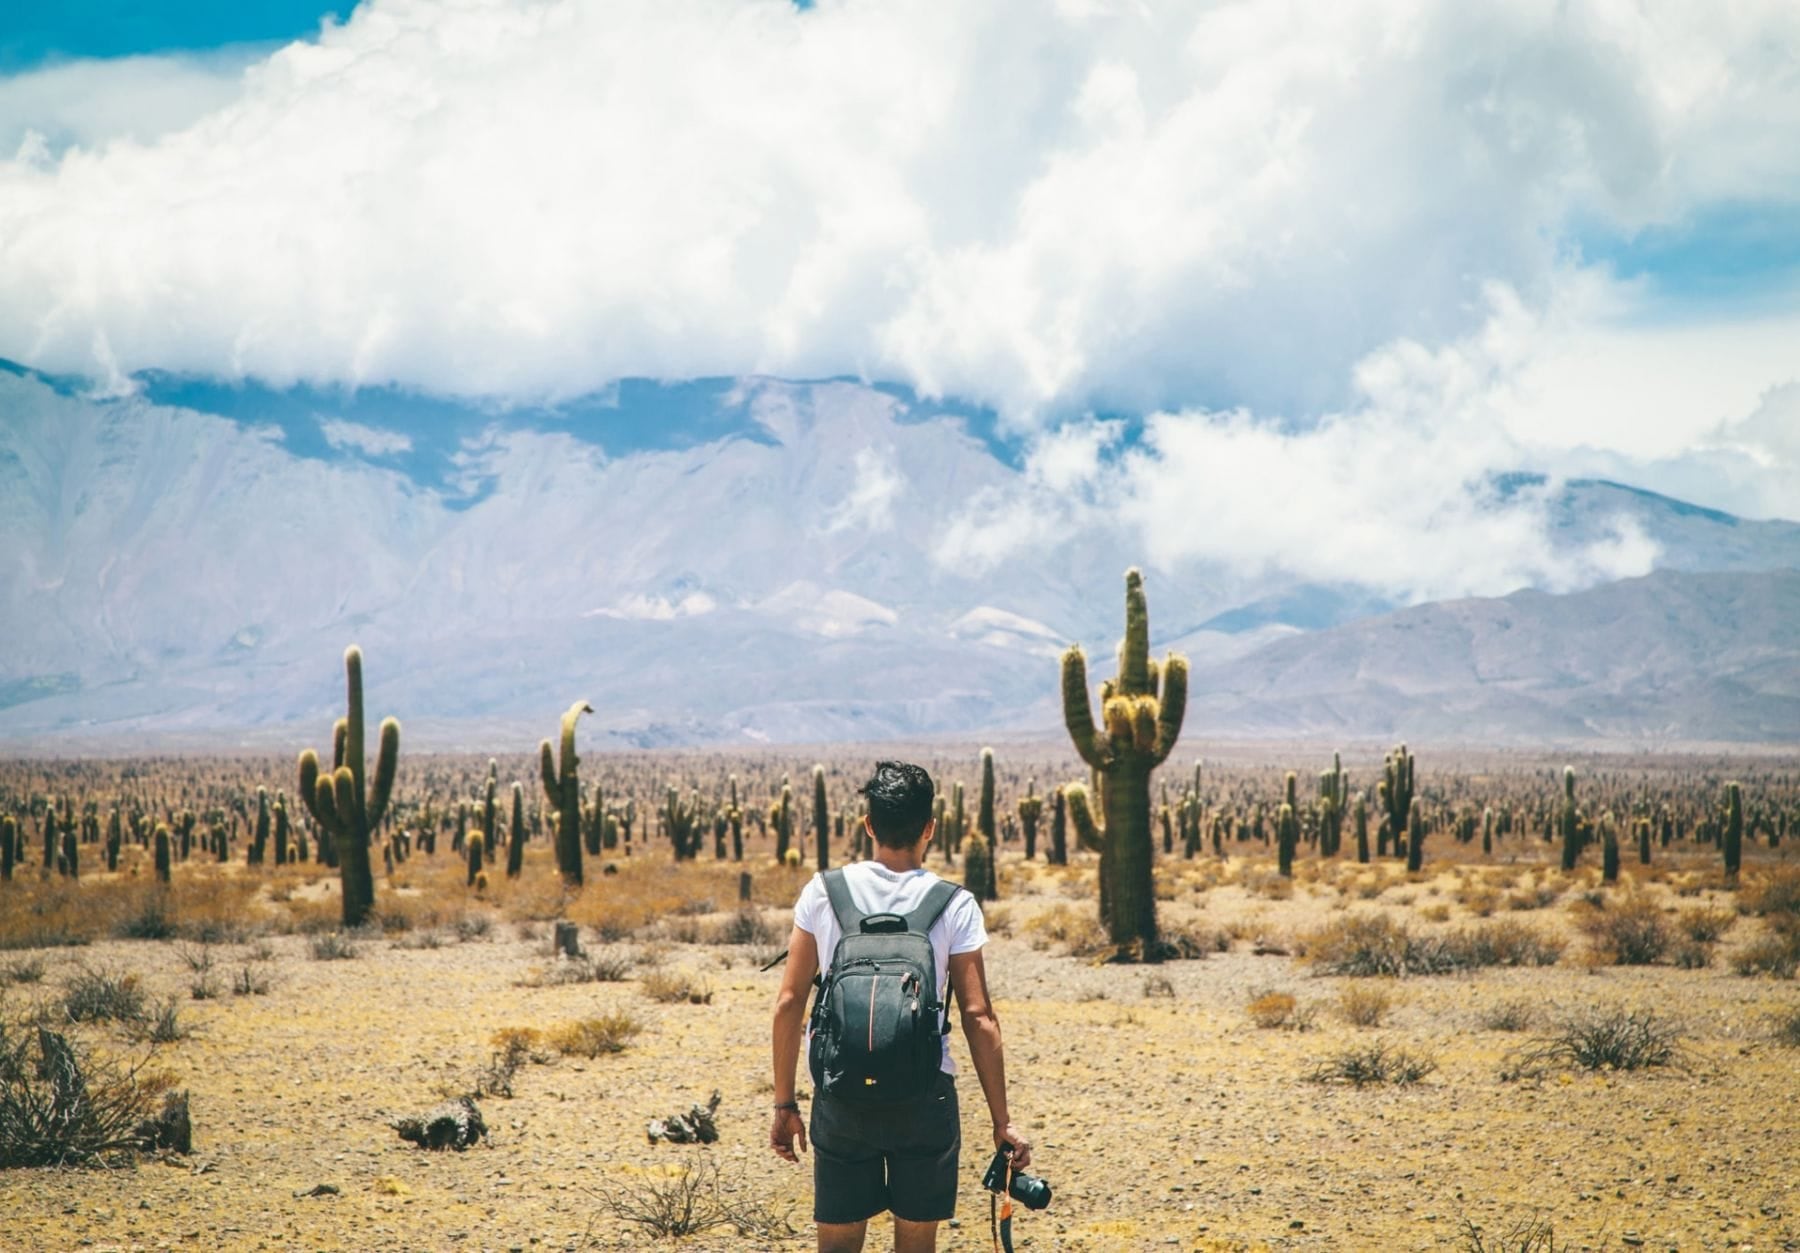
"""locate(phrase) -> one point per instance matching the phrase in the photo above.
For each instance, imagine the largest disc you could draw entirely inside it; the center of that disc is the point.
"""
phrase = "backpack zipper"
(875, 983)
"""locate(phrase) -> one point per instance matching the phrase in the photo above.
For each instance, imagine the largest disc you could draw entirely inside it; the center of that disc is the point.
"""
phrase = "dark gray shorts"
(870, 1158)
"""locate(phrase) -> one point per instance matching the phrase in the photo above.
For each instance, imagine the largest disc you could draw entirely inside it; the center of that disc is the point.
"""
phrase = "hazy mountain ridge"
(776, 577)
(1672, 656)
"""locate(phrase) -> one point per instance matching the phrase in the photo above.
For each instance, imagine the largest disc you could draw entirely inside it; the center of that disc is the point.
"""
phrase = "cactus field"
(1347, 1037)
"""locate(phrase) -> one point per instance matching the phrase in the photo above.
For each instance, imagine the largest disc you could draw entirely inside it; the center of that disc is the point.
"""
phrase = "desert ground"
(1197, 1104)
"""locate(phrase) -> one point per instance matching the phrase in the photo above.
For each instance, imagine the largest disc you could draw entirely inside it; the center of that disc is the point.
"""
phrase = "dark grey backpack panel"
(878, 1021)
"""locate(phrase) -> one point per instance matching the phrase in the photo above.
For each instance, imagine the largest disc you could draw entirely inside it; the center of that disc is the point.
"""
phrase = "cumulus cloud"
(88, 104)
(1399, 491)
(366, 439)
(1043, 207)
(869, 505)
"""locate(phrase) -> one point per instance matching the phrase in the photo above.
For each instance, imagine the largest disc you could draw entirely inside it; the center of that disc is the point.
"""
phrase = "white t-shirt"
(878, 890)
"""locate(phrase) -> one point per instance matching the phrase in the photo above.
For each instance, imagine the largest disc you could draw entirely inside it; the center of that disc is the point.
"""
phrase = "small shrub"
(1777, 953)
(1530, 1235)
(1158, 986)
(1619, 1040)
(332, 946)
(587, 968)
(1776, 893)
(1508, 1016)
(745, 927)
(149, 920)
(513, 1047)
(689, 1202)
(163, 1025)
(205, 988)
(1787, 1027)
(1270, 1010)
(96, 995)
(1632, 934)
(473, 927)
(412, 941)
(1363, 1065)
(1693, 955)
(1500, 943)
(590, 1037)
(198, 958)
(1363, 1006)
(62, 1106)
(673, 987)
(1703, 925)
(250, 981)
(1373, 944)
(22, 970)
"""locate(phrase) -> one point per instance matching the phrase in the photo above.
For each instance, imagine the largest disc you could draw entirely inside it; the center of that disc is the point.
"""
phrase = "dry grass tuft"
(674, 987)
(590, 1037)
(1361, 1005)
(1365, 1065)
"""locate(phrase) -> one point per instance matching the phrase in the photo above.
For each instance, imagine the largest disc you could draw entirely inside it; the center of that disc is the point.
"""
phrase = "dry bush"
(1704, 925)
(1077, 929)
(1481, 902)
(1633, 933)
(1158, 986)
(1508, 1016)
(204, 903)
(691, 1201)
(1775, 893)
(1374, 944)
(513, 1047)
(332, 946)
(587, 968)
(96, 994)
(1693, 955)
(21, 970)
(1435, 913)
(1616, 1040)
(61, 1105)
(1776, 953)
(1529, 1235)
(249, 981)
(590, 1037)
(1361, 1005)
(1270, 1010)
(674, 987)
(745, 927)
(1787, 1027)
(1369, 1064)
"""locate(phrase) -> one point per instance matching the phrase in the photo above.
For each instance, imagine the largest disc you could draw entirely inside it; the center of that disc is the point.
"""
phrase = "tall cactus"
(1569, 822)
(681, 823)
(515, 835)
(1287, 830)
(347, 807)
(1415, 840)
(490, 812)
(1361, 817)
(735, 817)
(1334, 798)
(561, 776)
(979, 848)
(1609, 849)
(1059, 829)
(1142, 710)
(1733, 847)
(282, 828)
(1396, 792)
(1031, 812)
(821, 818)
(162, 852)
(259, 844)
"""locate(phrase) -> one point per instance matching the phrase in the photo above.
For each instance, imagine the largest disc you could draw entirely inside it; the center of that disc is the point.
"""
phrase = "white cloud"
(638, 607)
(1395, 492)
(91, 103)
(869, 505)
(1046, 208)
(367, 439)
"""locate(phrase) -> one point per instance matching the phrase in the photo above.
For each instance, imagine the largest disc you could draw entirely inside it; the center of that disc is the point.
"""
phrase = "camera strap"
(1000, 1214)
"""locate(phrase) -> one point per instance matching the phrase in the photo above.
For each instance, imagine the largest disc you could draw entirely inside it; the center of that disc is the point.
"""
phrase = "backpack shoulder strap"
(937, 900)
(849, 917)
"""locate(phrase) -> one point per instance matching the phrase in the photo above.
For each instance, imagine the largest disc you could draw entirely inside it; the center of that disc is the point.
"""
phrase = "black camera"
(1028, 1190)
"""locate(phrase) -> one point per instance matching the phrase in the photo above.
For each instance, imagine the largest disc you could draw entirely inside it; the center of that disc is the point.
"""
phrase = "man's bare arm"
(981, 1028)
(790, 1018)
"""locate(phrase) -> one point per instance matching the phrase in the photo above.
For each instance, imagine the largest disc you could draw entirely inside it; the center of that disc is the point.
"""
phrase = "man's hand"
(1021, 1147)
(788, 1128)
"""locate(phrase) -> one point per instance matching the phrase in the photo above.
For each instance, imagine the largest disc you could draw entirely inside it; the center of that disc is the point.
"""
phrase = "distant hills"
(185, 567)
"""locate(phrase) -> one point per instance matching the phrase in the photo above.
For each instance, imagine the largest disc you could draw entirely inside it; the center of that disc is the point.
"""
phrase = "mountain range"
(745, 561)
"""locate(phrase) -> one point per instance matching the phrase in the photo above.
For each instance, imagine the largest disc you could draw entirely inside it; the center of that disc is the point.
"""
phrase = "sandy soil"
(1163, 1116)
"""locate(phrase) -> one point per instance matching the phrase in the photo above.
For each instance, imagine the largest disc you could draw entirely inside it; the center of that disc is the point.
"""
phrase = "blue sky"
(32, 33)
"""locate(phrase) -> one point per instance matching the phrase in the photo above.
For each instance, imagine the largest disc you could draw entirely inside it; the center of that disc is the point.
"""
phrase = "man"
(903, 1158)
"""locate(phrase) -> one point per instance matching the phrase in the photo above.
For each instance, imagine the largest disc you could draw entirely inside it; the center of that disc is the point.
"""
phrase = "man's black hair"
(900, 796)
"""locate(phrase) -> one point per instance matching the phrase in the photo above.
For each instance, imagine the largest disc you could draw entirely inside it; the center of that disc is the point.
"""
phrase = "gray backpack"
(877, 1021)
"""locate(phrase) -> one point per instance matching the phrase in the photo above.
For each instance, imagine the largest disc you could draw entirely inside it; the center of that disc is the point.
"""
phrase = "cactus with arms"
(347, 806)
(1396, 793)
(1141, 712)
(1031, 812)
(562, 788)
